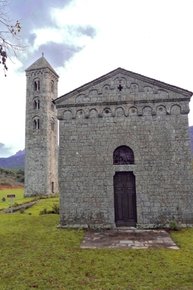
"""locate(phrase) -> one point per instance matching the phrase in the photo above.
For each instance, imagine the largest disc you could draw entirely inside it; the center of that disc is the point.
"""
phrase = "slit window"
(52, 86)
(52, 187)
(52, 125)
(36, 123)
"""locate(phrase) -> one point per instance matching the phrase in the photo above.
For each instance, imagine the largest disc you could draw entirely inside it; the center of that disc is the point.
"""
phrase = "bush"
(54, 210)
(173, 225)
(44, 211)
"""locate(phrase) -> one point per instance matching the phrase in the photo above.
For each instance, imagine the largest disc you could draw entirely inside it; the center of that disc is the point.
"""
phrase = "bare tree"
(9, 42)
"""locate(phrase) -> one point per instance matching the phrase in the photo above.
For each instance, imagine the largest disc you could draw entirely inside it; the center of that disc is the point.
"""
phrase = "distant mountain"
(13, 162)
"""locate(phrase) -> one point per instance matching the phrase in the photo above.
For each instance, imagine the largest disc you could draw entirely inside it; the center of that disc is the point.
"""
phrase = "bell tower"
(41, 133)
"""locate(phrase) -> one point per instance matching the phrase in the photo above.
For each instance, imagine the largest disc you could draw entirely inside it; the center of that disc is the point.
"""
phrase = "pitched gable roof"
(39, 64)
(128, 74)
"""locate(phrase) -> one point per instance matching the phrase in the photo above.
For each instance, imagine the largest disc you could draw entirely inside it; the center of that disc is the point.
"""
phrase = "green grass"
(35, 254)
(42, 204)
(19, 197)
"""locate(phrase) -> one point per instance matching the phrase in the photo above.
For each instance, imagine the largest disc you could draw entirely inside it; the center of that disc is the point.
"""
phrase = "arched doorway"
(124, 189)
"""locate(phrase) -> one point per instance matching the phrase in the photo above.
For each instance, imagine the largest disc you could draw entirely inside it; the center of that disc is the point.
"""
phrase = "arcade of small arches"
(121, 111)
(124, 90)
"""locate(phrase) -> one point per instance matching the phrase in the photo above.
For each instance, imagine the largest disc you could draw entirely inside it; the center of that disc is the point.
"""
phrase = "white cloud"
(149, 37)
(12, 113)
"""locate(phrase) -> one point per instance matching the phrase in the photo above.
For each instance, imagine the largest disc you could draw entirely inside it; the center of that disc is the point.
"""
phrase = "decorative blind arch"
(123, 155)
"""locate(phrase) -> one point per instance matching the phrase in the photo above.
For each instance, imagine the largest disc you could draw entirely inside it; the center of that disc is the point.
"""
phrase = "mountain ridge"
(15, 161)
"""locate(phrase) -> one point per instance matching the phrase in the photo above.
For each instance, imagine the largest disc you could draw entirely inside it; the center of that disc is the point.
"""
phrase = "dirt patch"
(23, 206)
(4, 186)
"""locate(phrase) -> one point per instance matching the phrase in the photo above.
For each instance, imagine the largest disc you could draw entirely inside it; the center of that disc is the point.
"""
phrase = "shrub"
(44, 211)
(54, 210)
(173, 225)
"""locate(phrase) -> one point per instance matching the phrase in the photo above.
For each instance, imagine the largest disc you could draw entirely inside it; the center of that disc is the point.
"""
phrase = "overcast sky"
(84, 39)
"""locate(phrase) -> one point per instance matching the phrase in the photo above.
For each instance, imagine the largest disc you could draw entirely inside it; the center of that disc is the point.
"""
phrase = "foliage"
(54, 210)
(174, 225)
(10, 177)
(44, 206)
(8, 35)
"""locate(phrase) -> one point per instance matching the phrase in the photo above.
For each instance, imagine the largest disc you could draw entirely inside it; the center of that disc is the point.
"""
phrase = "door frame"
(129, 222)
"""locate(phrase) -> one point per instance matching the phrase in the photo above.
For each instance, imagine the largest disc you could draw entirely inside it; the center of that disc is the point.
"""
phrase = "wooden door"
(125, 199)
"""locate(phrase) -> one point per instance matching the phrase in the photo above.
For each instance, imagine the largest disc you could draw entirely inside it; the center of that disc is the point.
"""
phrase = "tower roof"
(39, 64)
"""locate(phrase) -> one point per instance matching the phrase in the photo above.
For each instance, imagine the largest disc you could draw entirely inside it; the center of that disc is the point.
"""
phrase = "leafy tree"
(8, 35)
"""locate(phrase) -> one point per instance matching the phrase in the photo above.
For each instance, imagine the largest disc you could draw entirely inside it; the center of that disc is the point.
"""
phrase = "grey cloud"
(4, 150)
(55, 53)
(36, 14)
(87, 30)
(33, 13)
(31, 38)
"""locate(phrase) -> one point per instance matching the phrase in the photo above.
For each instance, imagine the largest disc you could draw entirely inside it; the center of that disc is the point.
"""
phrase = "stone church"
(124, 152)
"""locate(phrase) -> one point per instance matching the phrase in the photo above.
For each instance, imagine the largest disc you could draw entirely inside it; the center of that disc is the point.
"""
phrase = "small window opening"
(120, 87)
(52, 86)
(52, 187)
(36, 104)
(123, 155)
(52, 126)
(36, 124)
(36, 85)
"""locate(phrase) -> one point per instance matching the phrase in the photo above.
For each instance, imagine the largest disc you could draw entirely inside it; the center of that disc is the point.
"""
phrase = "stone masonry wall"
(41, 161)
(157, 132)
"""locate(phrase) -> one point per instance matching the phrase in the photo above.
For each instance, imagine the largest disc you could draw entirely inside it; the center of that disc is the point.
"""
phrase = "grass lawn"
(35, 254)
(19, 198)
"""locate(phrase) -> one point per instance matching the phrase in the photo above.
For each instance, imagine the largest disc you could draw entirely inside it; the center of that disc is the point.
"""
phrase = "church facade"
(124, 153)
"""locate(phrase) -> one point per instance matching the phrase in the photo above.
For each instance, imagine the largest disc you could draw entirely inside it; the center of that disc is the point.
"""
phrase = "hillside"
(11, 178)
(15, 161)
